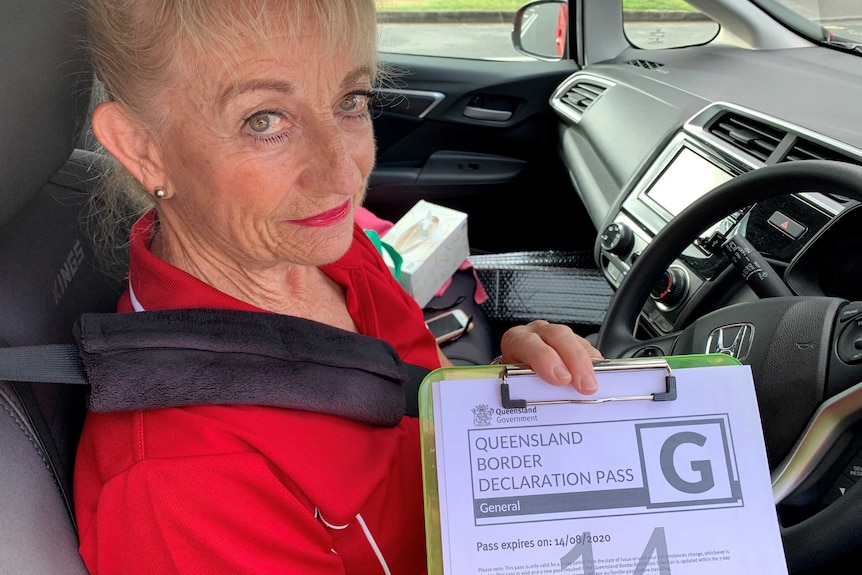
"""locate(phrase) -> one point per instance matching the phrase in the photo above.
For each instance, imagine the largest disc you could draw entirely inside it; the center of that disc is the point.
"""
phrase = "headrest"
(44, 94)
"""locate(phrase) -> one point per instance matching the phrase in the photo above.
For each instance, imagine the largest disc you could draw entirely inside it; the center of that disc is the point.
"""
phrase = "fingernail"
(589, 386)
(562, 373)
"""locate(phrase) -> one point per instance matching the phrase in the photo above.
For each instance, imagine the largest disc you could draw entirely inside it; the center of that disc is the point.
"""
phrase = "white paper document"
(621, 487)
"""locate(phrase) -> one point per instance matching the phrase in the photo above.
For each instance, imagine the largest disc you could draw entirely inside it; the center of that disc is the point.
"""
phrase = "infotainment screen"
(687, 177)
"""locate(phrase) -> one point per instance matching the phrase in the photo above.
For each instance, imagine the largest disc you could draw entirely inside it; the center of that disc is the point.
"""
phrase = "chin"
(334, 246)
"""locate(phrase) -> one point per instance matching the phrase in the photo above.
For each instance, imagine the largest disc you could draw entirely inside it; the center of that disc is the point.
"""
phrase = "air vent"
(753, 136)
(582, 95)
(807, 150)
(647, 64)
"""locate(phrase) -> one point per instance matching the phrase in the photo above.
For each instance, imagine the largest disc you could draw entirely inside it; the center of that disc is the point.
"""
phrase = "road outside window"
(481, 29)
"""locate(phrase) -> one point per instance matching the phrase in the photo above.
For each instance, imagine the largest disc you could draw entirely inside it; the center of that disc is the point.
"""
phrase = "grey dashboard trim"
(567, 85)
(832, 419)
(435, 97)
(695, 135)
(696, 127)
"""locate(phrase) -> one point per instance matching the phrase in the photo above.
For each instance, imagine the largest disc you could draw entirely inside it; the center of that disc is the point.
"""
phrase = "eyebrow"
(236, 89)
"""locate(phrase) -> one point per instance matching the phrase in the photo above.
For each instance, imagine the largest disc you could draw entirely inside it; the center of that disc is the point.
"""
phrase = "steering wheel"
(808, 396)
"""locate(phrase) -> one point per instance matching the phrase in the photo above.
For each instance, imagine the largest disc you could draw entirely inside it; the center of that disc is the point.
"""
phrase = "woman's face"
(267, 161)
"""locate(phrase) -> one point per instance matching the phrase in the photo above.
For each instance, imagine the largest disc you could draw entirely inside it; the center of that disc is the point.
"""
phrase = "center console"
(718, 144)
(688, 168)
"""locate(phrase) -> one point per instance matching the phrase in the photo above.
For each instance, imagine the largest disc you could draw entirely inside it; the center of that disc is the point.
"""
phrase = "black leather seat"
(48, 276)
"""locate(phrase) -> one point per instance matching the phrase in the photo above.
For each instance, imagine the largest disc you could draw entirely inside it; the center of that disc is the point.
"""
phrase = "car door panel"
(478, 136)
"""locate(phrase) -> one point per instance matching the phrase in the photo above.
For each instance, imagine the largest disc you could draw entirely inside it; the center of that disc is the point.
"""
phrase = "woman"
(248, 125)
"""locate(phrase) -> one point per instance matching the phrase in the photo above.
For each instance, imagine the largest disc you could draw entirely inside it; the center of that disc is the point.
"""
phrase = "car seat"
(48, 275)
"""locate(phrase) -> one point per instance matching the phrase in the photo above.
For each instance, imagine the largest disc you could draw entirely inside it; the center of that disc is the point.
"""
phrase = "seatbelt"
(58, 363)
(63, 363)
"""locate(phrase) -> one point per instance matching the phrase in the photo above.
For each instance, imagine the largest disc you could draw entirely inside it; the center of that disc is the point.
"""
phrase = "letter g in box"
(689, 462)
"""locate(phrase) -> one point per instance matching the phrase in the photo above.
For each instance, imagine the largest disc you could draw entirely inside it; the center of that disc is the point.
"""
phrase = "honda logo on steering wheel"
(733, 340)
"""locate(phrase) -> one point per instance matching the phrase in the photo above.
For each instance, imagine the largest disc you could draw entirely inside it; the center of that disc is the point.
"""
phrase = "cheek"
(210, 176)
(364, 152)
(249, 192)
(365, 161)
(189, 163)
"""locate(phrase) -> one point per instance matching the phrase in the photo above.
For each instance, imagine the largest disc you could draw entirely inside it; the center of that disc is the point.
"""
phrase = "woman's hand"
(556, 353)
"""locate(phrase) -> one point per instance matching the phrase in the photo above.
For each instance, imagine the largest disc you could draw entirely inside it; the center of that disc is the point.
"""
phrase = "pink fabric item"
(369, 221)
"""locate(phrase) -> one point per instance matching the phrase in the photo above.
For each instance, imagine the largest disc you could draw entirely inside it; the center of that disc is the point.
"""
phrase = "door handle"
(478, 113)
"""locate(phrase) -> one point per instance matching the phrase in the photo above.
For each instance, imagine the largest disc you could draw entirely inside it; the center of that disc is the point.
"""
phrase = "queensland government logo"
(482, 415)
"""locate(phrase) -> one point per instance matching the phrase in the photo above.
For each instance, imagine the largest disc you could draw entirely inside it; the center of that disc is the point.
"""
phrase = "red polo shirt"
(248, 489)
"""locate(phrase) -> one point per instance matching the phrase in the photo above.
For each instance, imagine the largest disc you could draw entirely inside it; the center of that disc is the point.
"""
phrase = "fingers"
(556, 353)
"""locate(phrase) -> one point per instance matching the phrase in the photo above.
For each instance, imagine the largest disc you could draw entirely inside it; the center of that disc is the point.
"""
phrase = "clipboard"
(504, 495)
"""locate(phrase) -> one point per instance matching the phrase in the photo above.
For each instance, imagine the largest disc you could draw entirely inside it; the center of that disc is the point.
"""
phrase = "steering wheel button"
(850, 311)
(842, 484)
(849, 347)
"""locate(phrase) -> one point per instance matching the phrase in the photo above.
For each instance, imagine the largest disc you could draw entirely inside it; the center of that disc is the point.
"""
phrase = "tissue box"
(432, 239)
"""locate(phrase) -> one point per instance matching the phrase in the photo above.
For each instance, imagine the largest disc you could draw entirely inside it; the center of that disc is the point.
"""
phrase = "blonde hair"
(141, 46)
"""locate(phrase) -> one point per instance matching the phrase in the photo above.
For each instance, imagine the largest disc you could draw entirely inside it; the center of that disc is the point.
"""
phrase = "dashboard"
(644, 138)
(647, 134)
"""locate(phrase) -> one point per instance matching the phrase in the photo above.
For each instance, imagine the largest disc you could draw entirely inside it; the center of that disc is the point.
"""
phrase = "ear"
(130, 142)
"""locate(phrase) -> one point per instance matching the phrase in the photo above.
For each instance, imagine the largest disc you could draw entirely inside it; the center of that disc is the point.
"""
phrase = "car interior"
(720, 179)
(570, 169)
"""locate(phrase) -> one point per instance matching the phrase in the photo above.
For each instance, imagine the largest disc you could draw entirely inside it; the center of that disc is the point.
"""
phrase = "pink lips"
(327, 218)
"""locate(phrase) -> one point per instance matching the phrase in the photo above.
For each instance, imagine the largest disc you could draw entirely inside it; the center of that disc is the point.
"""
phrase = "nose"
(338, 160)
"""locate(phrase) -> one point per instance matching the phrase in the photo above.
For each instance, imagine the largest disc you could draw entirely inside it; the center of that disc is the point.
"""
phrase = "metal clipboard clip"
(669, 393)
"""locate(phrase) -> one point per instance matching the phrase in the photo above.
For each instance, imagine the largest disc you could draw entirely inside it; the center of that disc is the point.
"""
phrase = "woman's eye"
(265, 123)
(259, 124)
(354, 103)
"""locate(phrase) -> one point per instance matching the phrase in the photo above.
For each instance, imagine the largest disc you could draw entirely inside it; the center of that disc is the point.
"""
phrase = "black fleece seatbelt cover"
(183, 357)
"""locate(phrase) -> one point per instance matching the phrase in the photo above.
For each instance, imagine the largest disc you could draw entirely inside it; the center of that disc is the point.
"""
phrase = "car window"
(660, 24)
(479, 29)
(482, 29)
(834, 23)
